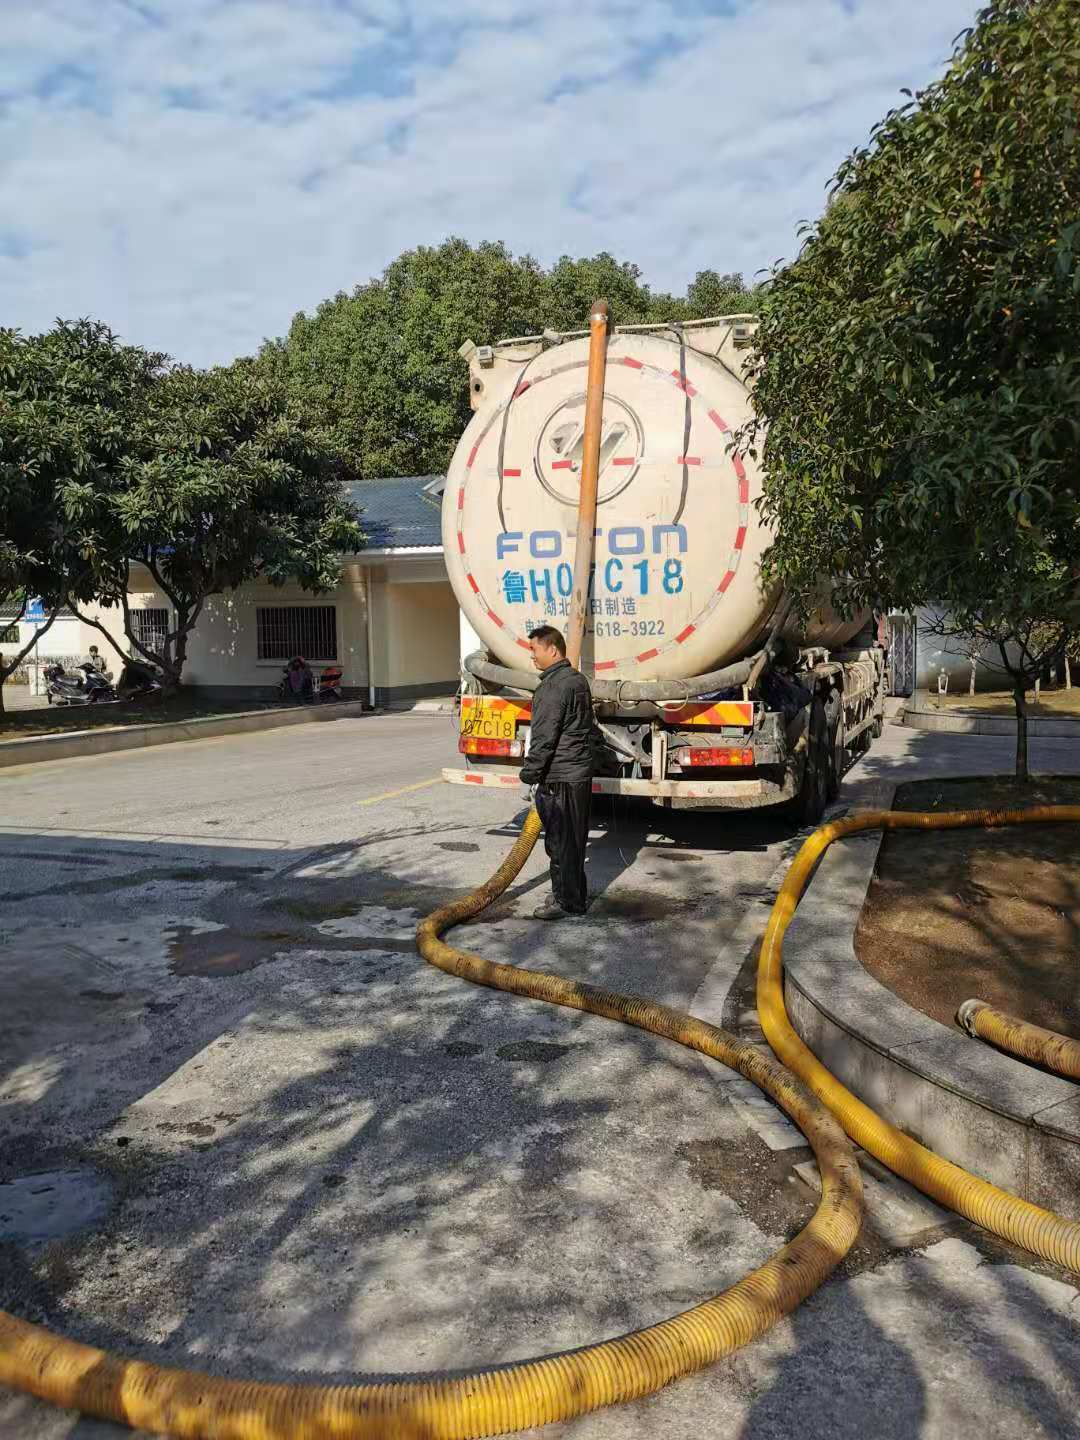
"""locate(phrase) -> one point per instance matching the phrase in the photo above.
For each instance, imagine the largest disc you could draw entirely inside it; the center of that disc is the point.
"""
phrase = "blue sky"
(194, 172)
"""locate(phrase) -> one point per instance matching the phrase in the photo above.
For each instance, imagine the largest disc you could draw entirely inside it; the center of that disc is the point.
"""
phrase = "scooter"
(328, 686)
(86, 686)
(140, 680)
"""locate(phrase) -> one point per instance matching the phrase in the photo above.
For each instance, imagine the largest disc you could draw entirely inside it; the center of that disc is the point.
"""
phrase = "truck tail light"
(725, 756)
(476, 745)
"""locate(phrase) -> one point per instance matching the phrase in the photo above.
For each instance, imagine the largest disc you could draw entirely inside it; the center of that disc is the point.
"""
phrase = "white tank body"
(676, 588)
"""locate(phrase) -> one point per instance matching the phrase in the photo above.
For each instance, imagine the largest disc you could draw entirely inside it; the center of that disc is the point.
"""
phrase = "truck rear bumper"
(745, 791)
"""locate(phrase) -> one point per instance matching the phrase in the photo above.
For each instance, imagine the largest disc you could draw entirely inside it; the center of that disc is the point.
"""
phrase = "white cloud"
(196, 173)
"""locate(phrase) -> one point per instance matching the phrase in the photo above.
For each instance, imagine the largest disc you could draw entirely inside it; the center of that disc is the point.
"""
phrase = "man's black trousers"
(564, 808)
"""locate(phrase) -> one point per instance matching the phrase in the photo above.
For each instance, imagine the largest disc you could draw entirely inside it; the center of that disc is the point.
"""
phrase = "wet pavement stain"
(54, 1203)
(540, 1050)
(462, 1050)
(626, 905)
(216, 953)
(463, 847)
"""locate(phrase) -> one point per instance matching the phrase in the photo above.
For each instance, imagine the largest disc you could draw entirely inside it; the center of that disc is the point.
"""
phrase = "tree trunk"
(1020, 701)
(1068, 674)
(971, 685)
(3, 677)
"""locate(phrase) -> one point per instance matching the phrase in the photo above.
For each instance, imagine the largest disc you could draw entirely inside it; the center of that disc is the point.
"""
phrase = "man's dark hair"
(550, 636)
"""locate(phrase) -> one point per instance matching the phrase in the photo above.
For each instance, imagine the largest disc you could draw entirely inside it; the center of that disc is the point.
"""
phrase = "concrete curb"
(917, 716)
(36, 748)
(995, 1116)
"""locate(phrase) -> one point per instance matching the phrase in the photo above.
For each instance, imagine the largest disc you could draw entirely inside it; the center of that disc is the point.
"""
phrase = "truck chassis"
(708, 753)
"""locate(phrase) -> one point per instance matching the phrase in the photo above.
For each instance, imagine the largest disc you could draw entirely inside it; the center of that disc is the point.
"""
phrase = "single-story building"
(67, 641)
(391, 623)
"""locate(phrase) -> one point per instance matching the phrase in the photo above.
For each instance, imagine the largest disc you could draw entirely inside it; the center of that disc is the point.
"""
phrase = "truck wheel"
(835, 744)
(809, 805)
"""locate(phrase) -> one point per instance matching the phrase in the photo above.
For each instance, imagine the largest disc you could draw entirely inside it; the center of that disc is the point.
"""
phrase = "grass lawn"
(1000, 702)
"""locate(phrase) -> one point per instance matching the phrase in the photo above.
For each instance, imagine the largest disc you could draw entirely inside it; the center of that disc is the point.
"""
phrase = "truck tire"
(809, 805)
(835, 743)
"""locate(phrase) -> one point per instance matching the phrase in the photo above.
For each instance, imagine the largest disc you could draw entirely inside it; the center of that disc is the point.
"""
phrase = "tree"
(918, 364)
(381, 367)
(228, 481)
(1017, 642)
(69, 399)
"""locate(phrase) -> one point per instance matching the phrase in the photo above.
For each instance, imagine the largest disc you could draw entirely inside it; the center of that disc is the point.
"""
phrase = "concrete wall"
(422, 639)
(67, 640)
(223, 658)
(414, 631)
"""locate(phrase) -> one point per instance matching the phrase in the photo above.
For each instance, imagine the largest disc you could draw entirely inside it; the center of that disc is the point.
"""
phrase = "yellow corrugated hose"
(1059, 1053)
(517, 1397)
(1040, 1231)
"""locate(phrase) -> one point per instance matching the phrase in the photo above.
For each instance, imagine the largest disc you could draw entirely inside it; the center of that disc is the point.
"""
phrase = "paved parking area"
(321, 1158)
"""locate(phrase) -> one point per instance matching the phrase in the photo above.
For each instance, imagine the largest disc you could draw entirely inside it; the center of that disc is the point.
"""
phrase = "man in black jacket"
(560, 765)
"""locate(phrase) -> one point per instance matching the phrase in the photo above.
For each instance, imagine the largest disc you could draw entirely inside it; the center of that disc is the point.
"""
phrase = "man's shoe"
(552, 911)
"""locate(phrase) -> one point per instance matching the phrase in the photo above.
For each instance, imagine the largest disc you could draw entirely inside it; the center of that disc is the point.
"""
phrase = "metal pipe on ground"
(590, 479)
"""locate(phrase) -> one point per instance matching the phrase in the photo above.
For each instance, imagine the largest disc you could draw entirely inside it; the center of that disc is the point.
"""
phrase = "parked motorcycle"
(312, 689)
(140, 680)
(83, 686)
(328, 686)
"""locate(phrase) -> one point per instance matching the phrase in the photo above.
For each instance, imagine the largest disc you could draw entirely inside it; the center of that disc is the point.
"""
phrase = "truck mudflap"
(748, 790)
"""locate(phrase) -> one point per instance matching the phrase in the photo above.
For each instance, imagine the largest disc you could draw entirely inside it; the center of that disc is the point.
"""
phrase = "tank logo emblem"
(559, 446)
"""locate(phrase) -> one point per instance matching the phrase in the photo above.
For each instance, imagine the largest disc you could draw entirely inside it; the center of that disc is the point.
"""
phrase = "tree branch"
(6, 670)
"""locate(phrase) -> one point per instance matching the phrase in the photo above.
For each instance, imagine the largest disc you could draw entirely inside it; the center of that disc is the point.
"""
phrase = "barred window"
(288, 630)
(150, 627)
(9, 634)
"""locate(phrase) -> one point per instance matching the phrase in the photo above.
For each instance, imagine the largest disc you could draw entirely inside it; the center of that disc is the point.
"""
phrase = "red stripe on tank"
(685, 634)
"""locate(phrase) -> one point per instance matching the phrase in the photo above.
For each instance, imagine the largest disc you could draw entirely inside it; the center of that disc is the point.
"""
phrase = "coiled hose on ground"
(1040, 1231)
(1059, 1053)
(204, 1407)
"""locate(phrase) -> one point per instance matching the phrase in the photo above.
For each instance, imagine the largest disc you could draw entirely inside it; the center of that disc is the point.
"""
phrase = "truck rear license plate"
(486, 722)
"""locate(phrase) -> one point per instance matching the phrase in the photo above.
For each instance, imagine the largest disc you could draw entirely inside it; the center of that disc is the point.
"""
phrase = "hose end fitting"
(965, 1016)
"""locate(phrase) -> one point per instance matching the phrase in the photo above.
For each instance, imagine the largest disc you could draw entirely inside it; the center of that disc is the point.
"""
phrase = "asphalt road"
(317, 1157)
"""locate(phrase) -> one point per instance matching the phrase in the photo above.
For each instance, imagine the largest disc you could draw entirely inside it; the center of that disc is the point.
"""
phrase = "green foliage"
(69, 400)
(380, 366)
(229, 481)
(109, 457)
(918, 365)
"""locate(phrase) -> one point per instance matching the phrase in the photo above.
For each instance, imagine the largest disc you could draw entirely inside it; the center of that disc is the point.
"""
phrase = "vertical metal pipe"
(590, 476)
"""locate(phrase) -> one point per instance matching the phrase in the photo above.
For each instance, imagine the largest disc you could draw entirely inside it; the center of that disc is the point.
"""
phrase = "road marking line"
(405, 790)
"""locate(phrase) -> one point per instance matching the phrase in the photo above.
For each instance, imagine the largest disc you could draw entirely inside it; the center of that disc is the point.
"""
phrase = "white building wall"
(223, 652)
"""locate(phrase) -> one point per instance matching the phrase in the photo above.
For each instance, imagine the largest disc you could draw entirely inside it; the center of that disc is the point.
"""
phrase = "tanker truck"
(707, 692)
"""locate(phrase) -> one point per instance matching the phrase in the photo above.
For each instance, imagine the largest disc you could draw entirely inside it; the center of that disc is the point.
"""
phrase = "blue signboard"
(35, 612)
